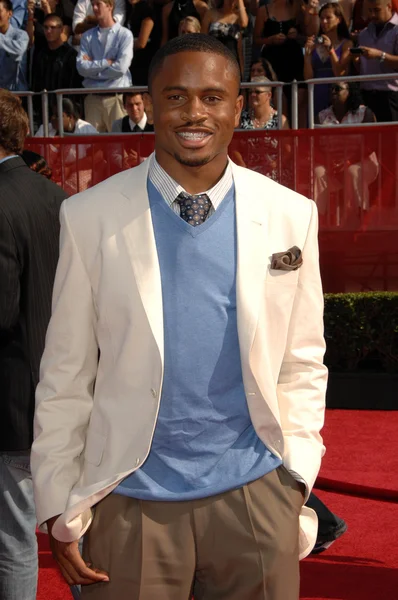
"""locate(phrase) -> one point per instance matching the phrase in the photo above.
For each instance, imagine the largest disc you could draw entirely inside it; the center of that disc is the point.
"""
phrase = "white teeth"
(190, 135)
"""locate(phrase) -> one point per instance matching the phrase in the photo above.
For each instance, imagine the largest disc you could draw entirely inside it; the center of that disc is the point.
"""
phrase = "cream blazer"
(102, 368)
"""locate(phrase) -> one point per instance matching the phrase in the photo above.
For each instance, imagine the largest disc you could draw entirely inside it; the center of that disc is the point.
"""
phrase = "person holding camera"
(327, 55)
(378, 48)
(38, 11)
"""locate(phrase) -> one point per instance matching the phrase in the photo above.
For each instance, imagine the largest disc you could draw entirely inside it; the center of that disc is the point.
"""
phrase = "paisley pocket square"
(290, 260)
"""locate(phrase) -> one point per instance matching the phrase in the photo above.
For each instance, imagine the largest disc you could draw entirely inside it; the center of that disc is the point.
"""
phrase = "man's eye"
(212, 99)
(175, 97)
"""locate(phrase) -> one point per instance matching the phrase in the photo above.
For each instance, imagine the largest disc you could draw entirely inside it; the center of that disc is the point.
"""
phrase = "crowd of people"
(108, 44)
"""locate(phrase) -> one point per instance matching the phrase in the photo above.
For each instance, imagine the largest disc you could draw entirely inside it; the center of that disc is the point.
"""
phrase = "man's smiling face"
(196, 107)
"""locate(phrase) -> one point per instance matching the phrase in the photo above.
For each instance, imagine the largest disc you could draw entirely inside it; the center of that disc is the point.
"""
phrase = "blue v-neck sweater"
(204, 442)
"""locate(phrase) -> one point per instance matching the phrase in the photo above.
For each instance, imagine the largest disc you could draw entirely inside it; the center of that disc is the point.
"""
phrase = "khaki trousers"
(101, 111)
(240, 545)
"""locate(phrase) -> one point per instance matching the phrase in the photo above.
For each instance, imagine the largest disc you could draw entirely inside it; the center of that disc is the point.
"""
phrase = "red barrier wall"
(351, 173)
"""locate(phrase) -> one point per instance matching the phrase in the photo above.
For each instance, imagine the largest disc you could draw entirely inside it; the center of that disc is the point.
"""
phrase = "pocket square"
(290, 260)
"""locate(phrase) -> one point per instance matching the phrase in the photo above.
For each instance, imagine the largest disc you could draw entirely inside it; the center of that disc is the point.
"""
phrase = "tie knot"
(194, 209)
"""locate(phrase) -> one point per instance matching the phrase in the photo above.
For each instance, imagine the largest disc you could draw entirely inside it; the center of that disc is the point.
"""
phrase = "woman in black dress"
(226, 22)
(140, 20)
(277, 33)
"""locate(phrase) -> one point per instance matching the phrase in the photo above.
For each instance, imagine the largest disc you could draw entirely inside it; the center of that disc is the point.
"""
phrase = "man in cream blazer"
(105, 378)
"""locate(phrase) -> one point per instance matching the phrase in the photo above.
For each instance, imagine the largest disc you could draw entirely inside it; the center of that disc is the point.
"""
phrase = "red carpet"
(369, 440)
(363, 564)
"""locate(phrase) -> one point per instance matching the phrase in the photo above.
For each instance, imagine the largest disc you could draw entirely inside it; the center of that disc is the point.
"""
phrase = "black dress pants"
(328, 522)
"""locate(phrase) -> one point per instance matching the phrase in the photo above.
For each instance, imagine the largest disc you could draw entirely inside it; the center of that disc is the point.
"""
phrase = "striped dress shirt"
(169, 189)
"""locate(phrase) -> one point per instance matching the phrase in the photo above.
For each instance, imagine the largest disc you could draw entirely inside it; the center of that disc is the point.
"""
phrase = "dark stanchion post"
(310, 106)
(294, 104)
(279, 104)
(60, 111)
(61, 134)
(44, 110)
(30, 114)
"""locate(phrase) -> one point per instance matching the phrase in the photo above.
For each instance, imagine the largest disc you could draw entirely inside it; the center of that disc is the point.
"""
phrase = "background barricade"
(350, 172)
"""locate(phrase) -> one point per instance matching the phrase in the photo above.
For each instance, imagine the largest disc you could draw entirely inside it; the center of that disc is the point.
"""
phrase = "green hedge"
(361, 331)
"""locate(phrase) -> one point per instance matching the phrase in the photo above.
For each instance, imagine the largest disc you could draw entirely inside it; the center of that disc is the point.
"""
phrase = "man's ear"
(238, 110)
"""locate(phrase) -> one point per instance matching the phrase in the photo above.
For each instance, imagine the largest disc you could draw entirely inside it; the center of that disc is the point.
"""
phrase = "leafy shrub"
(361, 331)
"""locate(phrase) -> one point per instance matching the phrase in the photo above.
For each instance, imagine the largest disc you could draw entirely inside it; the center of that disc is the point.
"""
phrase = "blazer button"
(153, 392)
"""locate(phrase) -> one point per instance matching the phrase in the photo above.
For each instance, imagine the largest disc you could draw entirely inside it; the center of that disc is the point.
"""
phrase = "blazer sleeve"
(302, 380)
(64, 396)
(10, 272)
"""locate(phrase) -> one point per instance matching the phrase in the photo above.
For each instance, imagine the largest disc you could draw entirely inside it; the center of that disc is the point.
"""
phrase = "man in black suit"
(29, 235)
(136, 120)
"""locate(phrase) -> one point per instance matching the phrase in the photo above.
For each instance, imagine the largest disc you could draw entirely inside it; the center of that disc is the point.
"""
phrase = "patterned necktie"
(194, 209)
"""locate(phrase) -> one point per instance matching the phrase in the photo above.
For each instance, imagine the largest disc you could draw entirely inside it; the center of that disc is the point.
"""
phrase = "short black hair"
(7, 5)
(55, 18)
(70, 108)
(130, 95)
(37, 163)
(192, 42)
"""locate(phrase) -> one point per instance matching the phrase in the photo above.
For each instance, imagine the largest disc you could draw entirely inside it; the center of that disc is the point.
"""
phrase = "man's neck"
(4, 154)
(106, 23)
(55, 45)
(194, 179)
(4, 30)
(263, 114)
(380, 26)
(136, 121)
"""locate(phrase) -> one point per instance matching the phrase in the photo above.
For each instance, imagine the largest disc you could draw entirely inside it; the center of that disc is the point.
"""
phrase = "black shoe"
(324, 541)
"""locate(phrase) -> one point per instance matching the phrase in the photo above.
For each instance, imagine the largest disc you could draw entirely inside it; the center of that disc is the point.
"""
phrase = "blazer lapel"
(251, 218)
(141, 245)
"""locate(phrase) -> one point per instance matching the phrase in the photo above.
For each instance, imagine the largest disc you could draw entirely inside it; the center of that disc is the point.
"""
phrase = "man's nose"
(195, 110)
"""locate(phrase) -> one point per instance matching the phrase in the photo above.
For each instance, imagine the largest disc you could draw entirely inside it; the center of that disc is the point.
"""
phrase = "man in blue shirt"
(183, 392)
(19, 13)
(106, 52)
(13, 48)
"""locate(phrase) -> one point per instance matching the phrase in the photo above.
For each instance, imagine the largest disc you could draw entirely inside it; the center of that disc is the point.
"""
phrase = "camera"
(319, 39)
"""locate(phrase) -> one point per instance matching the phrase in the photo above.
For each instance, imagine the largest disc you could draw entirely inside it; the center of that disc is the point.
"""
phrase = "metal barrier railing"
(138, 89)
(279, 85)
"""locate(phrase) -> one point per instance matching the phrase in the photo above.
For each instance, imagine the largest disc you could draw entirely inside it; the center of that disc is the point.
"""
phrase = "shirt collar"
(5, 158)
(392, 22)
(141, 124)
(394, 19)
(112, 29)
(170, 189)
